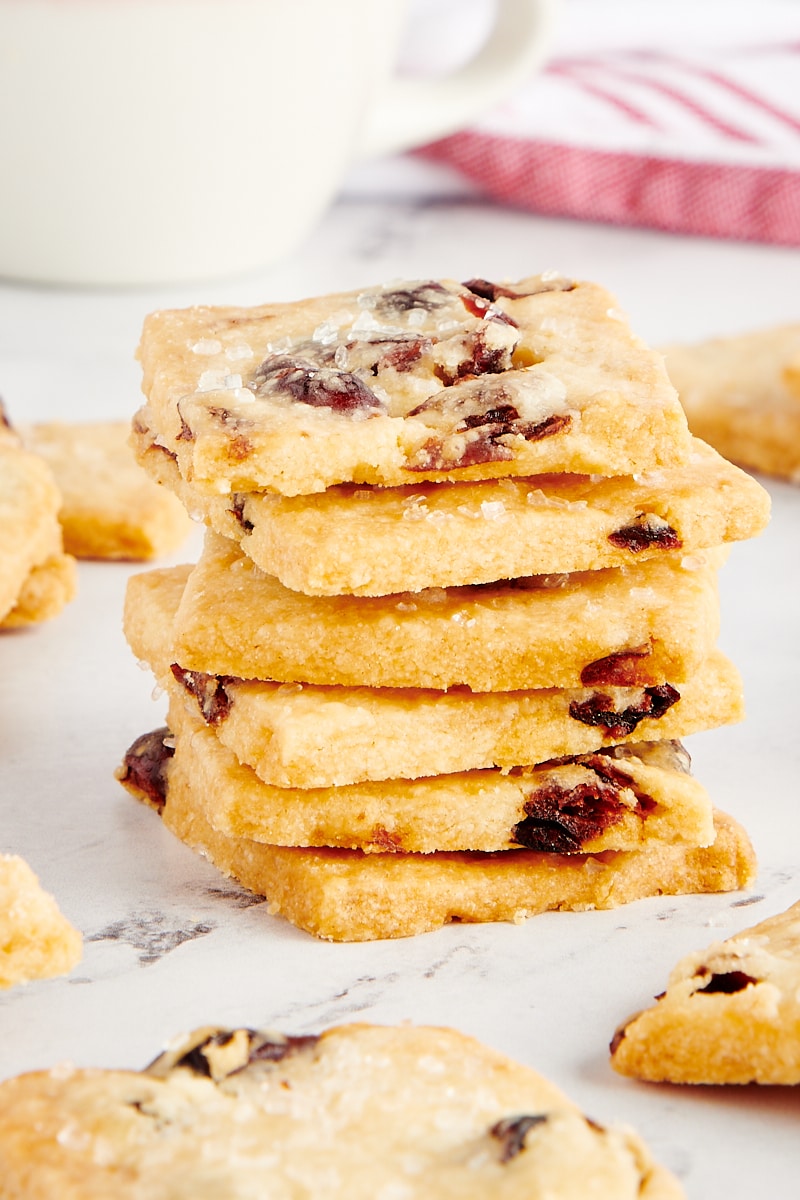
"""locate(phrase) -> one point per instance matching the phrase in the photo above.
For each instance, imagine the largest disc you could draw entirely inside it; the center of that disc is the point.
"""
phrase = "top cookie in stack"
(406, 383)
(471, 506)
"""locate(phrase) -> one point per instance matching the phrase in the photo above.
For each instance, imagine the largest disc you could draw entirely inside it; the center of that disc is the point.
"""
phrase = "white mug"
(146, 141)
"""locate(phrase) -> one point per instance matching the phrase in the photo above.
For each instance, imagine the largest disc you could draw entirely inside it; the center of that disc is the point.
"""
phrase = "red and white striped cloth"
(681, 116)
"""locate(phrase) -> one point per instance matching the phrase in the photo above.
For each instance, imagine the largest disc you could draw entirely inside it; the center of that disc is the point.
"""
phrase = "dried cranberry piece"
(210, 692)
(238, 501)
(267, 1050)
(433, 456)
(493, 291)
(145, 766)
(502, 418)
(480, 308)
(597, 710)
(617, 1039)
(620, 669)
(426, 296)
(401, 353)
(197, 1059)
(480, 358)
(320, 387)
(185, 433)
(726, 982)
(388, 842)
(486, 447)
(261, 1049)
(561, 819)
(646, 530)
(511, 1131)
(534, 431)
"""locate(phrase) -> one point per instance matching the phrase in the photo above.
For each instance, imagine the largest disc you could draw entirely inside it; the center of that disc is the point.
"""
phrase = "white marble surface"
(170, 944)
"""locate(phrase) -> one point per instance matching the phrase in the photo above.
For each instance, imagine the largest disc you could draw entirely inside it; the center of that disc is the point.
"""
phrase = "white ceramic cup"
(146, 141)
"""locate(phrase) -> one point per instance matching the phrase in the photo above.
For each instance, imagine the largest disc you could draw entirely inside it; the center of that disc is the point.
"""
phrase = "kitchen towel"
(681, 116)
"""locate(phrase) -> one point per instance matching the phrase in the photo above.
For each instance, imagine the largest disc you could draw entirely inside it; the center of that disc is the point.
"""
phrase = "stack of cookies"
(456, 606)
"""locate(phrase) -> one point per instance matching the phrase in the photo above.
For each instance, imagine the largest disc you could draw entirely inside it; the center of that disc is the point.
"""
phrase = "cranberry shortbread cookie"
(620, 799)
(625, 627)
(36, 940)
(346, 895)
(730, 1014)
(356, 1112)
(742, 394)
(406, 382)
(370, 541)
(110, 508)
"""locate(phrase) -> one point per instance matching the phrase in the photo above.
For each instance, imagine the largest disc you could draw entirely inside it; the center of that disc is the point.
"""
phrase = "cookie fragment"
(36, 941)
(730, 1013)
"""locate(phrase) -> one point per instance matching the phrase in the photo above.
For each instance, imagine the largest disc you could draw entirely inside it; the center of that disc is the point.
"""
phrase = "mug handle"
(411, 112)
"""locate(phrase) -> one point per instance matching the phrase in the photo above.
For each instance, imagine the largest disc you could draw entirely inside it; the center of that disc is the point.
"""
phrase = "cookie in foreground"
(730, 1014)
(425, 379)
(36, 940)
(346, 895)
(358, 1111)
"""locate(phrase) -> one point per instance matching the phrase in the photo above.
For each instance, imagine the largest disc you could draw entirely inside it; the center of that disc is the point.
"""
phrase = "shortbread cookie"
(36, 941)
(29, 530)
(742, 394)
(406, 382)
(47, 589)
(370, 541)
(110, 508)
(621, 799)
(306, 735)
(346, 895)
(355, 1113)
(730, 1014)
(626, 627)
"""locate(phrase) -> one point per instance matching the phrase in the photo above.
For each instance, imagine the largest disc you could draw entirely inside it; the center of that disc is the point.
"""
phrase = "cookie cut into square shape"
(309, 735)
(110, 508)
(407, 382)
(346, 895)
(353, 1113)
(742, 394)
(730, 1014)
(36, 940)
(629, 627)
(371, 541)
(620, 799)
